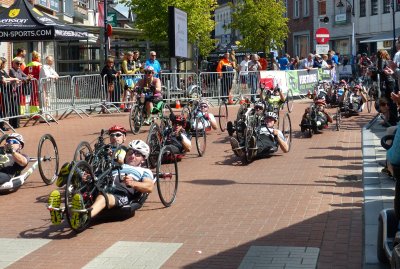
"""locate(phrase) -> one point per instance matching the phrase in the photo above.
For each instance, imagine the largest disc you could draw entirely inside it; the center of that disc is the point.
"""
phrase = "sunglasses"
(135, 152)
(18, 63)
(384, 104)
(258, 108)
(204, 106)
(116, 134)
(153, 55)
(148, 72)
(13, 141)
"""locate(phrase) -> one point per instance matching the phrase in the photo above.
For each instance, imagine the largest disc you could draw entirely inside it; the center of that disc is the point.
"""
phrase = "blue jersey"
(137, 173)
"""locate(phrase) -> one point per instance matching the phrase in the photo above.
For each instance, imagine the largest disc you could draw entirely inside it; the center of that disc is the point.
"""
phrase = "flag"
(100, 8)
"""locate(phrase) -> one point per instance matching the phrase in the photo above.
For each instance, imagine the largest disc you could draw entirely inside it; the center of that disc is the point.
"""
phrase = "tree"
(152, 18)
(261, 23)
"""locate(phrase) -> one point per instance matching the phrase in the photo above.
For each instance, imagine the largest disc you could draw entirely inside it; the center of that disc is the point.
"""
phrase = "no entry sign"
(322, 36)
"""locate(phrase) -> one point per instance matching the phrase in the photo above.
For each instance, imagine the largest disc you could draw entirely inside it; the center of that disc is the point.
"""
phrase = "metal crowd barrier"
(180, 86)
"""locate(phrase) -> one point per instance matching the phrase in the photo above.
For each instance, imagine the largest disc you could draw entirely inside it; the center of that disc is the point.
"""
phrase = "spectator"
(6, 91)
(14, 105)
(154, 63)
(254, 68)
(49, 75)
(317, 61)
(111, 74)
(284, 62)
(307, 63)
(225, 71)
(244, 74)
(275, 65)
(22, 54)
(33, 69)
(128, 69)
(263, 61)
(325, 61)
(396, 60)
(138, 65)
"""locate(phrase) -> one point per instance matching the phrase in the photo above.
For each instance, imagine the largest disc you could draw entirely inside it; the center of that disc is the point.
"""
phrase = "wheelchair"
(314, 121)
(138, 113)
(47, 161)
(92, 173)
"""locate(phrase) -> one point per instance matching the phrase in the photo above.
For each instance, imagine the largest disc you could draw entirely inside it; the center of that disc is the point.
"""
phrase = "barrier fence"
(49, 98)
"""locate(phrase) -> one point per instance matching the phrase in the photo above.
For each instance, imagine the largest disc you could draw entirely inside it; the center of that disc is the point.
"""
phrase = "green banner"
(293, 81)
(324, 74)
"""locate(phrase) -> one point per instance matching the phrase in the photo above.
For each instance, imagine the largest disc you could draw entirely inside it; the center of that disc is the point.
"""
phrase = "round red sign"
(322, 35)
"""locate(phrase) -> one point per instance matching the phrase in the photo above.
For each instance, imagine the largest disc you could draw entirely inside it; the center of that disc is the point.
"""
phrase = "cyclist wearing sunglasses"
(179, 138)
(152, 87)
(12, 161)
(202, 111)
(131, 179)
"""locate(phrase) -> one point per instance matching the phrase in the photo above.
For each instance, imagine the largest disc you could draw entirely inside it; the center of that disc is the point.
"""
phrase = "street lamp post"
(394, 29)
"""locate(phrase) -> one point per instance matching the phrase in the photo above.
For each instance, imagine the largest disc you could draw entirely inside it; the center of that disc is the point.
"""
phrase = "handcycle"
(93, 174)
(47, 161)
(138, 113)
(268, 87)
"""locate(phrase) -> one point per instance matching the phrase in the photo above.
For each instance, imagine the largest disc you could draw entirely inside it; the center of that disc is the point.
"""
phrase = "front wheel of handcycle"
(154, 141)
(200, 135)
(48, 159)
(167, 176)
(287, 130)
(136, 119)
(83, 152)
(289, 100)
(79, 195)
(223, 116)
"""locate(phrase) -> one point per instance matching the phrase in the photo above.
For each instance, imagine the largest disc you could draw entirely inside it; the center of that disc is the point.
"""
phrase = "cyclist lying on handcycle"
(117, 138)
(318, 121)
(265, 140)
(353, 100)
(178, 137)
(153, 93)
(274, 98)
(202, 111)
(12, 161)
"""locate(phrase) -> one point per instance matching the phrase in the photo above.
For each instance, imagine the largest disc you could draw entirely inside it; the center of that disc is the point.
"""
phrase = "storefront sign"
(51, 4)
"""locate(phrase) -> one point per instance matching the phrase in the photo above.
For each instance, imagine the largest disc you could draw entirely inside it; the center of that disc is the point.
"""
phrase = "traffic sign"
(322, 49)
(322, 35)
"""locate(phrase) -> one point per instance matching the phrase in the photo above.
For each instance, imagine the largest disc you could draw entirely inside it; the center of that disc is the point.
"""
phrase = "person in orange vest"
(33, 69)
(226, 73)
(263, 61)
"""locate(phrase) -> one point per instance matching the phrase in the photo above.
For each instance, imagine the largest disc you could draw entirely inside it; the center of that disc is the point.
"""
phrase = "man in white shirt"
(47, 77)
(244, 68)
(308, 62)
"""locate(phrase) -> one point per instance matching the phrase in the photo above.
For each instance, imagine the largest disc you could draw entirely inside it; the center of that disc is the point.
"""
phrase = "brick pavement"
(311, 197)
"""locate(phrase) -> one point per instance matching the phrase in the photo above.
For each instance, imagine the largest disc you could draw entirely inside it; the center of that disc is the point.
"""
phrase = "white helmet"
(259, 104)
(140, 146)
(271, 115)
(17, 136)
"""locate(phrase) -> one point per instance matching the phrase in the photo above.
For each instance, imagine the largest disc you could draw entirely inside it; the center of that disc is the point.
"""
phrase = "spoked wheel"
(289, 100)
(83, 152)
(167, 112)
(136, 119)
(167, 176)
(223, 116)
(338, 118)
(200, 134)
(79, 195)
(287, 129)
(48, 159)
(185, 113)
(154, 142)
(248, 156)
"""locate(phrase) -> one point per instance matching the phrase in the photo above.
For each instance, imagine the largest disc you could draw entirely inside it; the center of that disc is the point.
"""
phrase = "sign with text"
(322, 35)
(322, 49)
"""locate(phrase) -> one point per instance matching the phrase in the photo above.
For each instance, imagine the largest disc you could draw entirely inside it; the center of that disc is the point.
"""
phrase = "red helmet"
(320, 102)
(179, 120)
(117, 128)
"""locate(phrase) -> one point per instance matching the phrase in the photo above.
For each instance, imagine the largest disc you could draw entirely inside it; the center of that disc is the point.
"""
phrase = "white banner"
(322, 48)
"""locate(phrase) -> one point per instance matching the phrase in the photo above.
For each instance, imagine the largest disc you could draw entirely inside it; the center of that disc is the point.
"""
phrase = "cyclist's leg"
(100, 203)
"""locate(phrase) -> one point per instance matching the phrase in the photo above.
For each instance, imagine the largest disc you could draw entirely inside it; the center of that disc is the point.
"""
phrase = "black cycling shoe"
(229, 128)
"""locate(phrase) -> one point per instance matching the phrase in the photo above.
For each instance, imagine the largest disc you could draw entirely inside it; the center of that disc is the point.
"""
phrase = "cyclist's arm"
(281, 141)
(186, 143)
(157, 85)
(145, 186)
(282, 97)
(20, 159)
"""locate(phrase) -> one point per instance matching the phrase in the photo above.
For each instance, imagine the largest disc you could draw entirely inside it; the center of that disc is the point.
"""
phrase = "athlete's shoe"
(54, 203)
(78, 218)
(236, 147)
(252, 147)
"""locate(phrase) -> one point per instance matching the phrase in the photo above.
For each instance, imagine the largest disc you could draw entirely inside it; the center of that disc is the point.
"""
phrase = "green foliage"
(261, 23)
(152, 18)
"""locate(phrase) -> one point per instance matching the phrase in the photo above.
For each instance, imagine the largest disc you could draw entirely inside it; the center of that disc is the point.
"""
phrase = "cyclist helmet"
(149, 68)
(18, 137)
(259, 105)
(357, 87)
(271, 115)
(63, 174)
(179, 120)
(203, 102)
(320, 102)
(117, 128)
(140, 146)
(343, 82)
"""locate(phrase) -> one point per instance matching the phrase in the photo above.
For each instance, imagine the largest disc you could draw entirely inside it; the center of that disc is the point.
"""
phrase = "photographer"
(12, 161)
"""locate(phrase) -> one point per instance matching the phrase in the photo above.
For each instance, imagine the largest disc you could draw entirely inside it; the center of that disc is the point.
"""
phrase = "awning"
(381, 37)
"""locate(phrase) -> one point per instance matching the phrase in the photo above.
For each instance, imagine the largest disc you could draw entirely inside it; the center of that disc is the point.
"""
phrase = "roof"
(382, 36)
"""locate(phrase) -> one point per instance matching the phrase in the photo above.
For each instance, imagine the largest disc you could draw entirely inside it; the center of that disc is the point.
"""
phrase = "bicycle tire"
(287, 129)
(83, 152)
(3, 138)
(48, 159)
(201, 136)
(369, 103)
(223, 116)
(76, 184)
(166, 112)
(289, 100)
(338, 118)
(185, 113)
(135, 119)
(167, 176)
(154, 142)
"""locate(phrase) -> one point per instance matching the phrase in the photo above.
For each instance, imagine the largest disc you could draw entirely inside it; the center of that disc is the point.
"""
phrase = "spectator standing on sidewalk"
(307, 63)
(33, 69)
(396, 60)
(244, 74)
(128, 68)
(14, 103)
(284, 62)
(21, 53)
(111, 74)
(152, 61)
(254, 68)
(225, 71)
(49, 76)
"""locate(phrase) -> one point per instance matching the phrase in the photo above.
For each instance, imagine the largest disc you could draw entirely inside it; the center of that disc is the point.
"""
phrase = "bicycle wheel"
(167, 176)
(248, 156)
(166, 112)
(80, 181)
(289, 100)
(83, 152)
(287, 129)
(223, 116)
(3, 138)
(154, 141)
(369, 101)
(338, 119)
(136, 119)
(201, 137)
(48, 159)
(185, 113)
